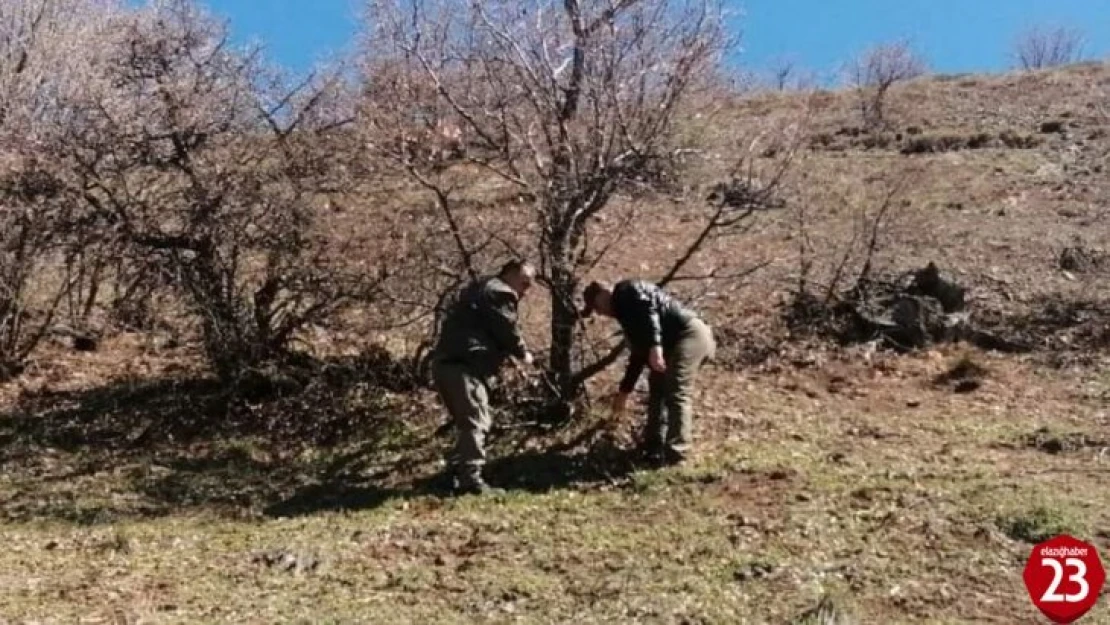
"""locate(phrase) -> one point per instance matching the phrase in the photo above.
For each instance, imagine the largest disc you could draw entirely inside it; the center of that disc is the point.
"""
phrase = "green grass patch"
(1041, 523)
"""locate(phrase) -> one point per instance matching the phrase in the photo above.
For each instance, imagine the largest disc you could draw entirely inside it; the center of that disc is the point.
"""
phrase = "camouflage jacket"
(649, 317)
(480, 330)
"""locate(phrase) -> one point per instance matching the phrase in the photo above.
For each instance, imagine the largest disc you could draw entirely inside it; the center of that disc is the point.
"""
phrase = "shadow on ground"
(583, 460)
(141, 449)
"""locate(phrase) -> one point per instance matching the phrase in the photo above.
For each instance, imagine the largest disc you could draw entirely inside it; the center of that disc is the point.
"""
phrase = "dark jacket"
(480, 330)
(649, 317)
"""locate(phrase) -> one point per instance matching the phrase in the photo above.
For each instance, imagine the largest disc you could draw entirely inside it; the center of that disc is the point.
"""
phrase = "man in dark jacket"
(670, 339)
(479, 333)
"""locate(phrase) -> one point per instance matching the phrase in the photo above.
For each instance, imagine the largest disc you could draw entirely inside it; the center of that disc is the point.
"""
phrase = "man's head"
(519, 275)
(598, 297)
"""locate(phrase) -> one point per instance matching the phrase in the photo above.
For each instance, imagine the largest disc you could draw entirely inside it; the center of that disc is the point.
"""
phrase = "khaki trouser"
(670, 396)
(467, 400)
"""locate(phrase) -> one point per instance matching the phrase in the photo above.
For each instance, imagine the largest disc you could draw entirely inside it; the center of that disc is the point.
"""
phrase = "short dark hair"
(590, 294)
(514, 266)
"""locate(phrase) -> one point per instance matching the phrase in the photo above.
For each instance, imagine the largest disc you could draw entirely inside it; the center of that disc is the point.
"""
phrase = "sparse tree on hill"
(568, 105)
(782, 73)
(785, 74)
(1041, 48)
(879, 69)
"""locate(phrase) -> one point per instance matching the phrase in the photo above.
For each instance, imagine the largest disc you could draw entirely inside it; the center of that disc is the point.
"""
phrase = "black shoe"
(673, 458)
(651, 457)
(657, 458)
(476, 487)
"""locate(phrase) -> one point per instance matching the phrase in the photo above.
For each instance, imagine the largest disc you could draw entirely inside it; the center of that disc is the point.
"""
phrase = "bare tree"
(43, 61)
(206, 166)
(564, 105)
(783, 72)
(879, 69)
(1041, 48)
(43, 56)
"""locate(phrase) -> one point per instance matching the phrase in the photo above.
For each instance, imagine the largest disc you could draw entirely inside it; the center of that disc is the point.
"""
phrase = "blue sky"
(954, 35)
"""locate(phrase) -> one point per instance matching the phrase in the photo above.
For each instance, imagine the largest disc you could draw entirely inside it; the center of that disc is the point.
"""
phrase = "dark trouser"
(670, 398)
(466, 399)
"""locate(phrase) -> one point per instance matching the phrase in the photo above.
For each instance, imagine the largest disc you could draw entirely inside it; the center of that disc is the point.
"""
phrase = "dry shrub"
(1042, 48)
(43, 224)
(33, 211)
(876, 71)
(175, 162)
(1017, 141)
(944, 143)
(206, 168)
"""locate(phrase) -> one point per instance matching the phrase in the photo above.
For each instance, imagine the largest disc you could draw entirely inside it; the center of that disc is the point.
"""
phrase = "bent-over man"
(670, 339)
(479, 333)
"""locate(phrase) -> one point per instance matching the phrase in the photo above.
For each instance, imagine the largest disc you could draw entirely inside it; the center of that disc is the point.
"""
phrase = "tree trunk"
(228, 351)
(564, 316)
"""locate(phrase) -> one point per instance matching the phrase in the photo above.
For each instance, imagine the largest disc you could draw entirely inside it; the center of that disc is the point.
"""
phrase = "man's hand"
(620, 400)
(528, 359)
(656, 361)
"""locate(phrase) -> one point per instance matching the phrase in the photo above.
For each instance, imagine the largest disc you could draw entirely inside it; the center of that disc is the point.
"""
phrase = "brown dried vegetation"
(218, 286)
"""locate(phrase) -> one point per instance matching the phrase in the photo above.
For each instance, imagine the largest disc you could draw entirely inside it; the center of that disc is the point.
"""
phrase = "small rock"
(51, 546)
(1053, 446)
(967, 386)
(287, 561)
(84, 344)
(754, 570)
(913, 403)
(1052, 126)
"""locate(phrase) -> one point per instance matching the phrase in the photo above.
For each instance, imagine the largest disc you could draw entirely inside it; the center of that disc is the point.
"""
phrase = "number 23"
(1080, 577)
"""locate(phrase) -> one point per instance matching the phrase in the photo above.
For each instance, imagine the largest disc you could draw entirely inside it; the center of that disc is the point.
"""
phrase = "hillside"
(130, 492)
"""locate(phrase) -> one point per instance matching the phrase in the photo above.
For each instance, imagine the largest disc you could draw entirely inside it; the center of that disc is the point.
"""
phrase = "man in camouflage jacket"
(670, 339)
(479, 333)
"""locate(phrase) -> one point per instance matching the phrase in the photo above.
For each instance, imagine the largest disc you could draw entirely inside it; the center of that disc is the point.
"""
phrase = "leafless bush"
(879, 69)
(783, 71)
(206, 168)
(836, 270)
(566, 105)
(1041, 48)
(41, 220)
(784, 74)
(33, 209)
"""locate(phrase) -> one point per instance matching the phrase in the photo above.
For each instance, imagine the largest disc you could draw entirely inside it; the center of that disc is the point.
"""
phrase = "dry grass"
(866, 481)
(820, 472)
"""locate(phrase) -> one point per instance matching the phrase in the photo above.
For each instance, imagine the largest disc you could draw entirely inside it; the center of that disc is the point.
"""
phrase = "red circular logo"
(1064, 577)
